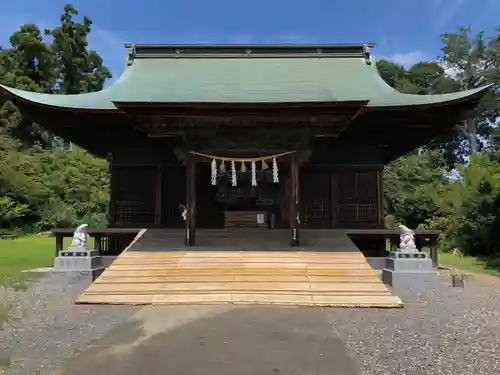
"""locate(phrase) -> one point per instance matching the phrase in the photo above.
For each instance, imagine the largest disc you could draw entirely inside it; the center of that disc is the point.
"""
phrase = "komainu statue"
(81, 237)
(407, 239)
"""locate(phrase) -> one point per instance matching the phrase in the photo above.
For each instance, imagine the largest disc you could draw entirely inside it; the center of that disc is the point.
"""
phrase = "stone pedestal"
(79, 260)
(410, 271)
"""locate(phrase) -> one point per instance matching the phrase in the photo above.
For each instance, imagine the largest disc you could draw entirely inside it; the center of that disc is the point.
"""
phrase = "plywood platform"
(241, 277)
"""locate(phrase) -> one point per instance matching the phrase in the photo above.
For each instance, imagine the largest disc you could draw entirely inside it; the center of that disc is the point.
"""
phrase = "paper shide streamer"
(220, 169)
(214, 172)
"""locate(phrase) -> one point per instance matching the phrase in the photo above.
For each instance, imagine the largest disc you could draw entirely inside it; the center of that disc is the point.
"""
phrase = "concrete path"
(218, 340)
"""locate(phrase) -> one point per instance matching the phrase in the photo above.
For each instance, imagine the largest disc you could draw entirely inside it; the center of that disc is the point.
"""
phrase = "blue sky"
(404, 30)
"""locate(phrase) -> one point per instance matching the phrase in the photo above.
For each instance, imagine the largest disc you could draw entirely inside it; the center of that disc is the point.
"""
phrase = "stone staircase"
(306, 278)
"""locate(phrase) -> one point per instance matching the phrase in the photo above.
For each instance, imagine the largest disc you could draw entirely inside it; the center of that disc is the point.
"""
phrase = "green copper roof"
(245, 74)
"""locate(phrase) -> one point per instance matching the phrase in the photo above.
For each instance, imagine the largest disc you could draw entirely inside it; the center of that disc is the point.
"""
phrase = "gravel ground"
(447, 331)
(50, 328)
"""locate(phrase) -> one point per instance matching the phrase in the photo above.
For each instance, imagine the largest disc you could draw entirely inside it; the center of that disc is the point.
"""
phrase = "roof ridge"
(152, 51)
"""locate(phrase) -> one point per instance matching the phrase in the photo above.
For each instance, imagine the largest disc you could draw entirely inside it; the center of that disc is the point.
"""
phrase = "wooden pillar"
(434, 251)
(113, 185)
(190, 201)
(380, 198)
(158, 195)
(294, 200)
(59, 243)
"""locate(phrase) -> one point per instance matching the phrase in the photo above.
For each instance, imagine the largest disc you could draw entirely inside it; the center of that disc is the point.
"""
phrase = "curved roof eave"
(94, 101)
(400, 100)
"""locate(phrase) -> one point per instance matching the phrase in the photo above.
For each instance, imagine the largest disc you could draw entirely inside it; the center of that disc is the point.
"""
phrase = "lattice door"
(135, 196)
(315, 198)
(357, 199)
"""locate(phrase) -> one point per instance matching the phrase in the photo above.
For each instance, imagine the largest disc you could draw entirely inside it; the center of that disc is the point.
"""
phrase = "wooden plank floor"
(241, 277)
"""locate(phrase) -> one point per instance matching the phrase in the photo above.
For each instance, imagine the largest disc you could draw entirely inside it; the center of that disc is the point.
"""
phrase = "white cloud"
(409, 58)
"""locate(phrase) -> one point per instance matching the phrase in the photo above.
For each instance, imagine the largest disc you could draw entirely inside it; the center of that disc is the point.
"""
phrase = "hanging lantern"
(243, 168)
(275, 171)
(233, 174)
(214, 172)
(222, 167)
(254, 174)
(264, 165)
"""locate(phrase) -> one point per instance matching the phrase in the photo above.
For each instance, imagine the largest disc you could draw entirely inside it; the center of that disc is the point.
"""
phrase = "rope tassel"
(243, 168)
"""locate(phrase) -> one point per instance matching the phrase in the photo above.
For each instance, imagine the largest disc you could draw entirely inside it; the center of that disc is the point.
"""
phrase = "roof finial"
(367, 54)
(131, 54)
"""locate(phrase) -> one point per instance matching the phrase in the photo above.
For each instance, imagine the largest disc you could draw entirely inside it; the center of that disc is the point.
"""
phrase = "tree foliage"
(474, 61)
(419, 189)
(42, 187)
(77, 70)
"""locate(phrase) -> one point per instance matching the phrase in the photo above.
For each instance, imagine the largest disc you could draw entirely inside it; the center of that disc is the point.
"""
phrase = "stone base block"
(90, 275)
(411, 280)
(78, 252)
(407, 255)
(409, 264)
(77, 263)
(410, 271)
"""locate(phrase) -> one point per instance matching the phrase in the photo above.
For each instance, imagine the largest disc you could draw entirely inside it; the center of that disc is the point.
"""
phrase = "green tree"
(470, 207)
(41, 188)
(28, 65)
(413, 185)
(79, 70)
(391, 72)
(474, 61)
(77, 190)
(423, 78)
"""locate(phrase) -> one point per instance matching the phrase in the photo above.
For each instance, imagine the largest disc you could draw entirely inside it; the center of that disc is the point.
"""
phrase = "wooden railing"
(423, 238)
(108, 241)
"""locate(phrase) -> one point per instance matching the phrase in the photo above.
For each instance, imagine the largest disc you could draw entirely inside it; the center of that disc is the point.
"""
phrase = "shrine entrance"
(258, 204)
(251, 206)
(259, 192)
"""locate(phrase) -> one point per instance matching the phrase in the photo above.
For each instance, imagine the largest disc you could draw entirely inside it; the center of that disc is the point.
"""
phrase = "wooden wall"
(341, 197)
(340, 186)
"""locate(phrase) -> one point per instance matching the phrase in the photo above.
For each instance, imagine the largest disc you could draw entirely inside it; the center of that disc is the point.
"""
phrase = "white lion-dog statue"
(407, 239)
(81, 237)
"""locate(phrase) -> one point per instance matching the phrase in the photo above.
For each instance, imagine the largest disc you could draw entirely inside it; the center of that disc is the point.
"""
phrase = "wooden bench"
(8, 236)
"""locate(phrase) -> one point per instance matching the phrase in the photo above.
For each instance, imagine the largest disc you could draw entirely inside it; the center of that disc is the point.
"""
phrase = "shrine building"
(260, 136)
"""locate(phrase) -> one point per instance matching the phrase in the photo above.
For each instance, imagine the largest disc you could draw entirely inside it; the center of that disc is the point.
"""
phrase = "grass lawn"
(26, 253)
(469, 264)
